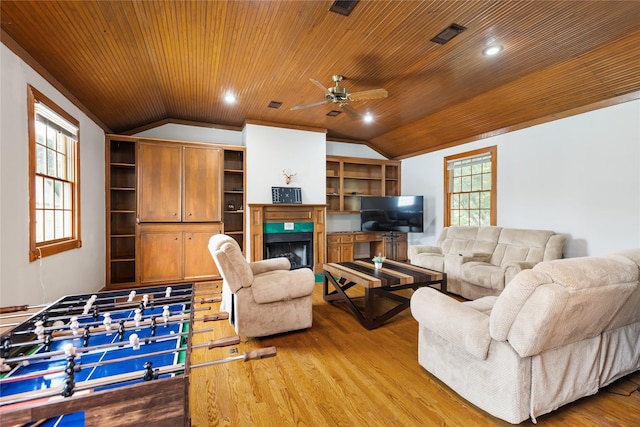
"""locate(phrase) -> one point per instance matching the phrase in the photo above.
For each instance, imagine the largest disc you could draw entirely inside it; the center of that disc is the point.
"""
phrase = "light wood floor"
(339, 374)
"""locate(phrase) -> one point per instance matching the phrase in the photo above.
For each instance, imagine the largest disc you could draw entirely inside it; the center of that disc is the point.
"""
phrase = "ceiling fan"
(340, 96)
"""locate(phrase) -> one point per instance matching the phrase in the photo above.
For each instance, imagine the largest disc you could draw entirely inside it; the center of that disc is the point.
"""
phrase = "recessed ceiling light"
(333, 113)
(492, 50)
(368, 118)
(229, 98)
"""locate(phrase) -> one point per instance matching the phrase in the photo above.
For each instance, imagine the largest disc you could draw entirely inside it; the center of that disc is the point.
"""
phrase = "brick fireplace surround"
(261, 214)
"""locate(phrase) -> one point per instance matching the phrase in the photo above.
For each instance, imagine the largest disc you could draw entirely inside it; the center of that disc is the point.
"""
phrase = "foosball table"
(113, 358)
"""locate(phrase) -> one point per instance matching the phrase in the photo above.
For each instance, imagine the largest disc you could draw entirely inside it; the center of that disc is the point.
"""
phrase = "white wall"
(578, 176)
(194, 134)
(77, 271)
(270, 150)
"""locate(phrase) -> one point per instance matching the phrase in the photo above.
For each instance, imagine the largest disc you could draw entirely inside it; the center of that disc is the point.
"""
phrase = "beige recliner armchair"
(262, 297)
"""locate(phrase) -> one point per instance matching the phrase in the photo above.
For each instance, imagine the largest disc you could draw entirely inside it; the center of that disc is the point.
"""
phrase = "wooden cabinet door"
(198, 263)
(202, 184)
(159, 183)
(161, 255)
(346, 254)
(333, 249)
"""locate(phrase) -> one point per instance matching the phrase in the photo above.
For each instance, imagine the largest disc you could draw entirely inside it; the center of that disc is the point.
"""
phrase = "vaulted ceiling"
(132, 65)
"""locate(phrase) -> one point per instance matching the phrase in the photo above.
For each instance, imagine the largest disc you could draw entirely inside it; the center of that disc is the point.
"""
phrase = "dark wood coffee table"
(383, 283)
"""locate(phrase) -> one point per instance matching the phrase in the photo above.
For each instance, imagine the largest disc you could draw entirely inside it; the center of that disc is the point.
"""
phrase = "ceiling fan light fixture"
(492, 50)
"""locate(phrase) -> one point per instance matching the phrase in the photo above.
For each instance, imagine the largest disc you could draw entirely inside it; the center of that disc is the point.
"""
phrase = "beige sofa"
(480, 261)
(558, 332)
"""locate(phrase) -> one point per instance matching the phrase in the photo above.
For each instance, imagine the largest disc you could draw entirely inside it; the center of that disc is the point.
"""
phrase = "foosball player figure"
(6, 346)
(85, 336)
(121, 330)
(96, 313)
(149, 373)
(48, 340)
(154, 325)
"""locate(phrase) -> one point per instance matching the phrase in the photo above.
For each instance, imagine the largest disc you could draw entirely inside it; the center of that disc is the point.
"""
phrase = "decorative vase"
(377, 265)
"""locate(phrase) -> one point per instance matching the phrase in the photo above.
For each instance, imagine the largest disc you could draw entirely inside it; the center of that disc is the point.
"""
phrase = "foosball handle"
(217, 316)
(261, 353)
(210, 300)
(13, 309)
(223, 342)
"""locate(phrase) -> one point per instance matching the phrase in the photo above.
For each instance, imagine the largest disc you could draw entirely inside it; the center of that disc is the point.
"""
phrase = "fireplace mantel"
(260, 214)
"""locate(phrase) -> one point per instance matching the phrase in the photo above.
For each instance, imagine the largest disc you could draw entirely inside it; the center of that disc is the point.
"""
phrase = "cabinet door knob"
(189, 213)
(174, 214)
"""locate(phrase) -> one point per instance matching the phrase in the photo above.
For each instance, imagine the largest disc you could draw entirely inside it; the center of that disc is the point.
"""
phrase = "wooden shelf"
(351, 178)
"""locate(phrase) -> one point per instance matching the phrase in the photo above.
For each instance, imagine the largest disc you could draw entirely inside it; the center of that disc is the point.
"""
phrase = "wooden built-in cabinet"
(164, 200)
(179, 183)
(351, 178)
(341, 246)
(176, 252)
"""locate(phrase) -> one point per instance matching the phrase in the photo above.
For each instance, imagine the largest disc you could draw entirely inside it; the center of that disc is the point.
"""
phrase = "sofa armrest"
(514, 267)
(459, 324)
(271, 264)
(423, 249)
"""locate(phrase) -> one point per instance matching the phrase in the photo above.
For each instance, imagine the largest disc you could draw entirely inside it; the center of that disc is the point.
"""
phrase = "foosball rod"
(130, 294)
(61, 335)
(16, 308)
(116, 345)
(221, 342)
(76, 310)
(98, 323)
(85, 316)
(262, 353)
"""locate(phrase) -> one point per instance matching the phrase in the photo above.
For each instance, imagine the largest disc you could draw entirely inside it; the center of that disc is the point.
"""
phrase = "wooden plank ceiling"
(135, 64)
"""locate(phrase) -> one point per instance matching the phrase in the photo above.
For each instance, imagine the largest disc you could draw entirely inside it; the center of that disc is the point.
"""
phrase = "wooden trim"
(180, 122)
(284, 125)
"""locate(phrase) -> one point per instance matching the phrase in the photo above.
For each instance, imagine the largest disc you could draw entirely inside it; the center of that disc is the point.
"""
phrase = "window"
(54, 174)
(470, 188)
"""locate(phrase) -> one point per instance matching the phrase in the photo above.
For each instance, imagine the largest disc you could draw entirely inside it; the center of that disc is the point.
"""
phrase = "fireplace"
(268, 219)
(293, 241)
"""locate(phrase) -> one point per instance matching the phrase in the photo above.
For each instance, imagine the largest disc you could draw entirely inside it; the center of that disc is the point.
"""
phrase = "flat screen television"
(392, 213)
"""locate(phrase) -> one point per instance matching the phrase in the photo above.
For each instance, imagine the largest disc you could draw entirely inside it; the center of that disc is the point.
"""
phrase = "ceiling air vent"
(448, 33)
(343, 7)
(333, 113)
(275, 104)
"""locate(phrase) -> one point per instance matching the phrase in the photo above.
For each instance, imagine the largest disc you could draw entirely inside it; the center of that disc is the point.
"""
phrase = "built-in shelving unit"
(164, 199)
(351, 178)
(121, 205)
(234, 200)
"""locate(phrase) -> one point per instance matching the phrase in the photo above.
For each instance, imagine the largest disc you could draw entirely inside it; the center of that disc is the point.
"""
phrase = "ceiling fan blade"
(351, 112)
(368, 94)
(320, 85)
(313, 104)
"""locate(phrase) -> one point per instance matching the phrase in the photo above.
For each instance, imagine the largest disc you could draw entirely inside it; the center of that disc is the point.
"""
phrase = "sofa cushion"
(456, 240)
(281, 285)
(520, 245)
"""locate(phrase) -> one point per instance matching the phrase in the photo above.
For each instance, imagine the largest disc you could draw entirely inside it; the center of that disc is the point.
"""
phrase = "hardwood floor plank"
(339, 374)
